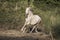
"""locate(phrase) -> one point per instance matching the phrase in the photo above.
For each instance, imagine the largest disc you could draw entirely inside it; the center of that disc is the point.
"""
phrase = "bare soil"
(17, 35)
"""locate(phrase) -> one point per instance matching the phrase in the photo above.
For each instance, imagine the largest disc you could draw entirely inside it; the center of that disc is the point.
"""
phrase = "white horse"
(31, 19)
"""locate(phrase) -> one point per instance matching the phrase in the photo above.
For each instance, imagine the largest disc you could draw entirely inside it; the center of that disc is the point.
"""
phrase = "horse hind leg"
(36, 30)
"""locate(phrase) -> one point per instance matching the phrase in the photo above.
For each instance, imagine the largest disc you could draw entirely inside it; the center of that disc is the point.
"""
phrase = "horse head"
(27, 10)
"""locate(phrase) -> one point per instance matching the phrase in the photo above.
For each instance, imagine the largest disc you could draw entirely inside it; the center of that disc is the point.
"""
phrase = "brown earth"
(17, 35)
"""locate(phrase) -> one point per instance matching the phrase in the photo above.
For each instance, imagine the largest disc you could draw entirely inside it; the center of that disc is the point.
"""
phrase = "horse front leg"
(23, 28)
(33, 28)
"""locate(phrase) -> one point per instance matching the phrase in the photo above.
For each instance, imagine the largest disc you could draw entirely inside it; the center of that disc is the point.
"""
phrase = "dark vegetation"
(12, 14)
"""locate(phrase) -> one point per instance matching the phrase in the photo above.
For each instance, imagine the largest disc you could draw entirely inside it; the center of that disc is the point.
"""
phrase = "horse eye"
(27, 14)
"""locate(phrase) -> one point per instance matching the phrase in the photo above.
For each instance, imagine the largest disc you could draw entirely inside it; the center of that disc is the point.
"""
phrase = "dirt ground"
(17, 35)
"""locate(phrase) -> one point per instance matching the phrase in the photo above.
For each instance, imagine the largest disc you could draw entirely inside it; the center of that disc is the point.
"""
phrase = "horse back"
(35, 19)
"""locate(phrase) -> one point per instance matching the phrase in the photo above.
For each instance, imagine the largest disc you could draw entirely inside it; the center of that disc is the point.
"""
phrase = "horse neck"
(30, 13)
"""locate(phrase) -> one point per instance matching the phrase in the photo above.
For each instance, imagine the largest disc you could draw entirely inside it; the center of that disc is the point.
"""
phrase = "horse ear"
(30, 8)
